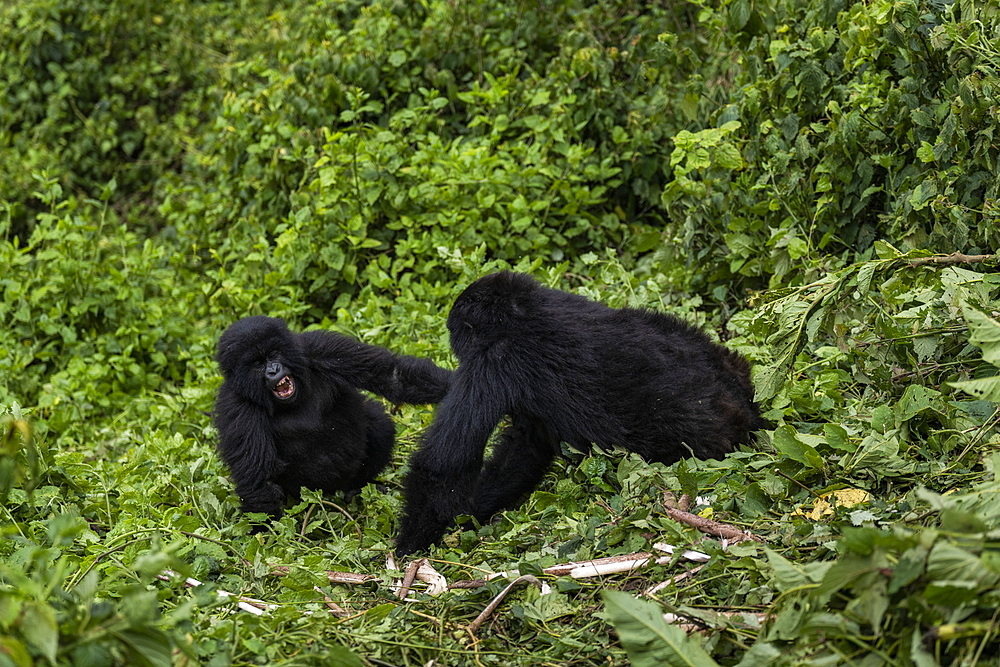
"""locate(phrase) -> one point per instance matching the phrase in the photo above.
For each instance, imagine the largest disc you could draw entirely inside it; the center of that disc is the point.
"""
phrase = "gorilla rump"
(289, 412)
(564, 368)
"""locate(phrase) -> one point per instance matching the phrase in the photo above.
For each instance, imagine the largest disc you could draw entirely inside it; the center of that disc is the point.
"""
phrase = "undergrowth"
(789, 175)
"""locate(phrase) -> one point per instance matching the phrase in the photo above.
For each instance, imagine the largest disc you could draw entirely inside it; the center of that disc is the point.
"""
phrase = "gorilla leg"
(519, 461)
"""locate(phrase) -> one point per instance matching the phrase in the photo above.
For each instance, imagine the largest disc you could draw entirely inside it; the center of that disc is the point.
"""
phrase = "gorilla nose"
(273, 370)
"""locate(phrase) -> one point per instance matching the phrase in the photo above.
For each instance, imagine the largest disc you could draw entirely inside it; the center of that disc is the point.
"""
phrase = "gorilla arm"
(246, 445)
(443, 475)
(399, 378)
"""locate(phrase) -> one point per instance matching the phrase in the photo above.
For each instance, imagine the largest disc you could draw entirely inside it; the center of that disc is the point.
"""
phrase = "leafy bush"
(858, 122)
(99, 90)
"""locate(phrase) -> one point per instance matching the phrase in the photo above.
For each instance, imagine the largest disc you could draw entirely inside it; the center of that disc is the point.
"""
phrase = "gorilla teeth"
(285, 387)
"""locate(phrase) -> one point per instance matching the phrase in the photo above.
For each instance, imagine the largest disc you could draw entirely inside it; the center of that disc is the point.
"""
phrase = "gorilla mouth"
(285, 388)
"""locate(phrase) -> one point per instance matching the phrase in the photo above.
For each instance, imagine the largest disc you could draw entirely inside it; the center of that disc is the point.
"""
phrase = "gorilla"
(289, 413)
(564, 368)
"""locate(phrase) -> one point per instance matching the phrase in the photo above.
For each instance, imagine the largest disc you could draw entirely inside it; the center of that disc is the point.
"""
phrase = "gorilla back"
(289, 412)
(565, 368)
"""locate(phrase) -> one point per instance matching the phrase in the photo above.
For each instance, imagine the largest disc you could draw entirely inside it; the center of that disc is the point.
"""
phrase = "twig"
(252, 605)
(671, 501)
(305, 520)
(713, 528)
(333, 577)
(953, 258)
(411, 574)
(495, 602)
(610, 565)
(653, 590)
(335, 608)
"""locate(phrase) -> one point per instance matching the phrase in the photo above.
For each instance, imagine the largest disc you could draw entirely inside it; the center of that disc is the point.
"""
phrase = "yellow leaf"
(840, 498)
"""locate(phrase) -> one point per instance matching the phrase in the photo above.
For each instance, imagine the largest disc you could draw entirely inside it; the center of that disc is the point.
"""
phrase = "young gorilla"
(565, 368)
(289, 413)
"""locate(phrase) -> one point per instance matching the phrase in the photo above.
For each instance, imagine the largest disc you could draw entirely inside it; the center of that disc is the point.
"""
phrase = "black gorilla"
(289, 413)
(565, 368)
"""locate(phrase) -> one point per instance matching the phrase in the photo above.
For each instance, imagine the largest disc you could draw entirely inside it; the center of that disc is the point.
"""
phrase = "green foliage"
(353, 165)
(984, 332)
(648, 638)
(19, 459)
(340, 165)
(859, 122)
(919, 594)
(95, 314)
(49, 614)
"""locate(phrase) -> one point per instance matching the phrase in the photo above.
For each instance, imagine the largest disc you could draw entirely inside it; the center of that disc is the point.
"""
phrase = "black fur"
(289, 412)
(564, 368)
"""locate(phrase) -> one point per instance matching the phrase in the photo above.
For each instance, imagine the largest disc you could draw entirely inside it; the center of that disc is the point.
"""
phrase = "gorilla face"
(279, 380)
(262, 359)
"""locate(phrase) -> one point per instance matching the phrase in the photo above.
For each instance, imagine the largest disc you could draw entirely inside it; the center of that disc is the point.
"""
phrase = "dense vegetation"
(786, 173)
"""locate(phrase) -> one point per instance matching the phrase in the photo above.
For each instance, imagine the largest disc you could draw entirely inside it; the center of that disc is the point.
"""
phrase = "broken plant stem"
(335, 608)
(411, 574)
(653, 590)
(495, 602)
(252, 605)
(714, 528)
(953, 258)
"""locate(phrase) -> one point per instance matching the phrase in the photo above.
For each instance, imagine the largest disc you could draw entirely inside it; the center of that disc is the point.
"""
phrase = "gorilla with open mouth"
(289, 412)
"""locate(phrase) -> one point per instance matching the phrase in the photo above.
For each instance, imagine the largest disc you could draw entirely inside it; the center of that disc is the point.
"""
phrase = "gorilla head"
(264, 361)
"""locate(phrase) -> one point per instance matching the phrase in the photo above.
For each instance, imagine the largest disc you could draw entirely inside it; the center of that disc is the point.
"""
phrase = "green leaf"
(647, 241)
(836, 436)
(789, 575)
(923, 193)
(786, 441)
(986, 389)
(842, 573)
(38, 624)
(728, 156)
(147, 646)
(915, 400)
(689, 106)
(14, 653)
(865, 274)
(739, 14)
(984, 331)
(549, 607)
(761, 654)
(951, 593)
(925, 152)
(885, 250)
(647, 638)
(910, 566)
(341, 656)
